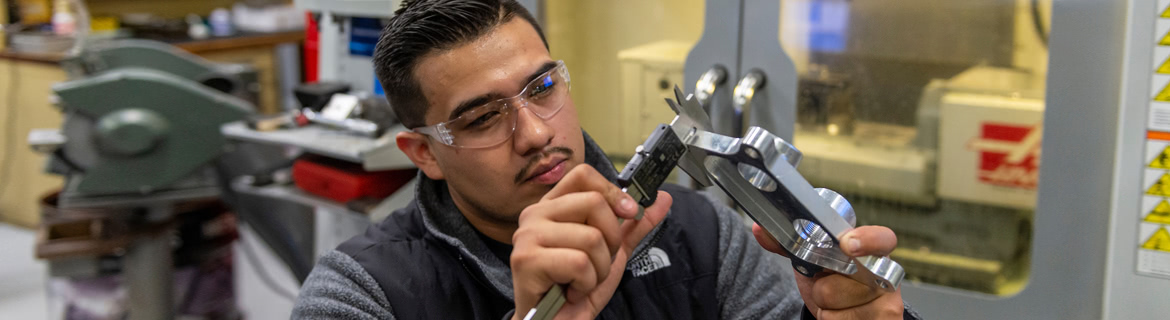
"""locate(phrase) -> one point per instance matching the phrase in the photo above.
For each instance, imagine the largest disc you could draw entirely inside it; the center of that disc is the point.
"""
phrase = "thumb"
(634, 231)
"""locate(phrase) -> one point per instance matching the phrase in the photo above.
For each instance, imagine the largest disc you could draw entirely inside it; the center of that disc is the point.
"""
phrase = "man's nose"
(532, 133)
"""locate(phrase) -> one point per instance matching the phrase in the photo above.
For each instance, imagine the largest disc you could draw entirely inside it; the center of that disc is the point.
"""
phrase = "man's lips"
(544, 164)
(549, 171)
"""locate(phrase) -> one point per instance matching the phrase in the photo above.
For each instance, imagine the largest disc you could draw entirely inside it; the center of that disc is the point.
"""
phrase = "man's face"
(498, 182)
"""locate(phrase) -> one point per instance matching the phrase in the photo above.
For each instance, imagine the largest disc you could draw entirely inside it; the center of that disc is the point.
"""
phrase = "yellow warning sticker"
(1159, 241)
(1165, 40)
(1166, 13)
(1165, 68)
(1160, 214)
(1162, 161)
(1162, 187)
(1164, 95)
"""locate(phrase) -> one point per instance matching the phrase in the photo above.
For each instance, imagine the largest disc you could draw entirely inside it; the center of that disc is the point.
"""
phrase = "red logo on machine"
(1009, 155)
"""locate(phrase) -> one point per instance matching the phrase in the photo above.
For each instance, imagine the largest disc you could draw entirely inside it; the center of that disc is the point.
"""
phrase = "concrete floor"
(259, 300)
(22, 277)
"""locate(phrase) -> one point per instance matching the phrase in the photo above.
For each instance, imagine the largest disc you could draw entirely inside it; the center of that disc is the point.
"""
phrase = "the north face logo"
(654, 259)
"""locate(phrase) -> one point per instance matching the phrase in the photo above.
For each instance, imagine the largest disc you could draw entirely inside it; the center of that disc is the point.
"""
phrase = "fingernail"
(852, 245)
(628, 204)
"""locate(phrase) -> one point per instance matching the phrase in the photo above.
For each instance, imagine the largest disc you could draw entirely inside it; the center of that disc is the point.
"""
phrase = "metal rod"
(149, 269)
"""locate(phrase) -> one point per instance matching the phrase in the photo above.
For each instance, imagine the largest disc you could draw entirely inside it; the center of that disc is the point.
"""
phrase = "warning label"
(1165, 68)
(1153, 237)
(1159, 119)
(1160, 214)
(1162, 161)
(1154, 250)
(1160, 188)
(1154, 262)
(1153, 216)
(1159, 241)
(1164, 94)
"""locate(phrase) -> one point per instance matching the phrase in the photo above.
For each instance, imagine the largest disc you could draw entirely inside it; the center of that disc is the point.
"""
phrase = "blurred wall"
(24, 105)
(588, 36)
(163, 8)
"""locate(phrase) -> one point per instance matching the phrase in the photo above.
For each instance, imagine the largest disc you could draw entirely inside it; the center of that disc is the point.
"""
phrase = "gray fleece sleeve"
(753, 283)
(339, 288)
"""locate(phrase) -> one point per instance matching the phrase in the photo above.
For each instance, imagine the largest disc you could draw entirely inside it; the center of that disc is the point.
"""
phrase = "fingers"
(569, 236)
(586, 208)
(635, 231)
(805, 286)
(584, 178)
(572, 236)
(835, 291)
(862, 241)
(546, 267)
(767, 241)
(869, 241)
(887, 306)
(832, 296)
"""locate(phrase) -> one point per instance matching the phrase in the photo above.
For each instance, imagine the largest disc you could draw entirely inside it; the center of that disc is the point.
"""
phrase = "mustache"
(520, 177)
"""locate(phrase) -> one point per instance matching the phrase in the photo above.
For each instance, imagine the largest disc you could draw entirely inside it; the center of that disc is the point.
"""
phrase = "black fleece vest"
(426, 278)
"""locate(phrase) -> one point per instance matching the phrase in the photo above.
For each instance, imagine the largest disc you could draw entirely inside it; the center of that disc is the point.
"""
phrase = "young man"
(514, 198)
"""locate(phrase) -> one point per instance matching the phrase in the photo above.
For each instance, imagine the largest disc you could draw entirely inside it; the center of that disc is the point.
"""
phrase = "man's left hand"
(831, 296)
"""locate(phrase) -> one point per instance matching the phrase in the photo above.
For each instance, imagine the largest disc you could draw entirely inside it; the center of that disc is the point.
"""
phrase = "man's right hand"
(572, 236)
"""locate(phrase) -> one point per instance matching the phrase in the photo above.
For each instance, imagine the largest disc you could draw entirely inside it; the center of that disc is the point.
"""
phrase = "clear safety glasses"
(493, 122)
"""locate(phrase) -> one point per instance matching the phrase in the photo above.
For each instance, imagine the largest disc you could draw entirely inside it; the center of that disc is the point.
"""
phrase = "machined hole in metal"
(758, 178)
(751, 153)
(812, 233)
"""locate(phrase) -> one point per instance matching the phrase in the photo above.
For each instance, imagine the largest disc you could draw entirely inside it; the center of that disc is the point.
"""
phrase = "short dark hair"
(423, 26)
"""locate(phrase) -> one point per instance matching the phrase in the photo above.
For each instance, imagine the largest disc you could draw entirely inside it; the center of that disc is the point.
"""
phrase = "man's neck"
(492, 227)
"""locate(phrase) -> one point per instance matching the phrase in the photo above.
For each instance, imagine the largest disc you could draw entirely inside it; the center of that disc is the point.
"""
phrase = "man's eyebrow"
(477, 101)
(549, 65)
(467, 105)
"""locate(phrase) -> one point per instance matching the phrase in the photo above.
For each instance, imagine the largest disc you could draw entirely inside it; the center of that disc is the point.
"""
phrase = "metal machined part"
(746, 88)
(708, 82)
(691, 117)
(743, 94)
(361, 127)
(759, 172)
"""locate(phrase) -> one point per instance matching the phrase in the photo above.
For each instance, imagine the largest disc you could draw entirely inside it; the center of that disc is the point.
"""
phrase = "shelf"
(373, 154)
(290, 193)
(356, 8)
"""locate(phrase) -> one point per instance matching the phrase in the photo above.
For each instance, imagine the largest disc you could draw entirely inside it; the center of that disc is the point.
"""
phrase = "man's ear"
(418, 149)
